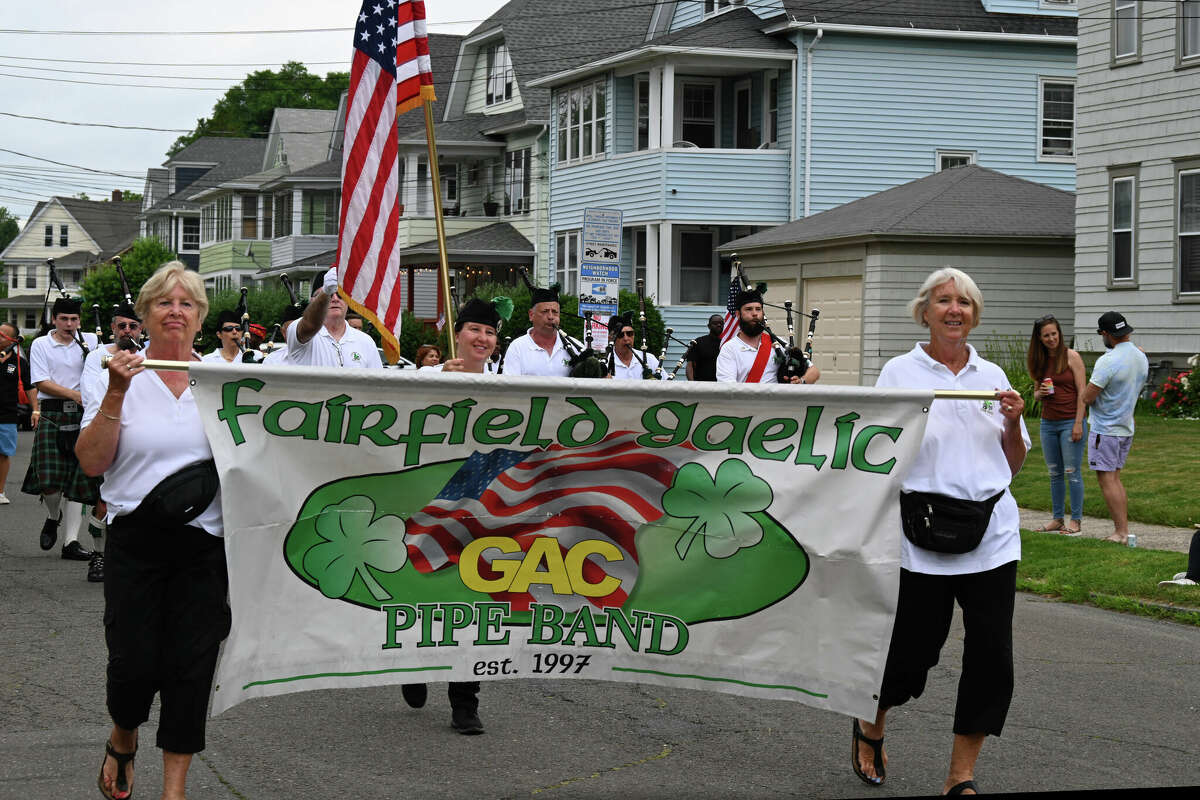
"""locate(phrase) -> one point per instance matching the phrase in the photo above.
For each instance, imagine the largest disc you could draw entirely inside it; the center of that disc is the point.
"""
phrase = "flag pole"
(444, 269)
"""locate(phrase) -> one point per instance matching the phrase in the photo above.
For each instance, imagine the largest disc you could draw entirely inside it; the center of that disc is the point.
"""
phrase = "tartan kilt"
(50, 470)
(82, 488)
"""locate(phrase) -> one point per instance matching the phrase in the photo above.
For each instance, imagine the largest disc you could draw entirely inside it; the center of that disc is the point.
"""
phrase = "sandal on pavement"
(1076, 531)
(959, 788)
(876, 760)
(1053, 526)
(121, 788)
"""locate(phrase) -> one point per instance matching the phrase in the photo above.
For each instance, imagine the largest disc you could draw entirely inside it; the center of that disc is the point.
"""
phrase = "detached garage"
(862, 262)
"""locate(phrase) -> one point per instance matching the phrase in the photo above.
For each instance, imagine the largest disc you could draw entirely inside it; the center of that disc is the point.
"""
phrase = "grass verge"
(1159, 475)
(1105, 575)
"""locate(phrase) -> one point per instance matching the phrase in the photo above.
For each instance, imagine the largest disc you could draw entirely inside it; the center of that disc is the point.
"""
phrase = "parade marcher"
(14, 380)
(1112, 392)
(428, 355)
(55, 368)
(475, 331)
(749, 357)
(702, 354)
(321, 337)
(628, 363)
(278, 355)
(959, 528)
(126, 331)
(165, 609)
(540, 351)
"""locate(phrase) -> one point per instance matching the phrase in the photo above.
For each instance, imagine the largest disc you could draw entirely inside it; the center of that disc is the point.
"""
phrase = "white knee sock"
(71, 519)
(53, 503)
(97, 528)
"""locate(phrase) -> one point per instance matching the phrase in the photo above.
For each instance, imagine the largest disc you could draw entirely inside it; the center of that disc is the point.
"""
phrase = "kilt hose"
(50, 470)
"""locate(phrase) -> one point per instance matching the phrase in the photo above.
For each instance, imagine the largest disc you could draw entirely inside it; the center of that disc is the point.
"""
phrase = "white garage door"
(837, 344)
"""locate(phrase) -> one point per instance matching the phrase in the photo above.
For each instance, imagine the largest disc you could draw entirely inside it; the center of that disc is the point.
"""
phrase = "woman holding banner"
(961, 540)
(165, 610)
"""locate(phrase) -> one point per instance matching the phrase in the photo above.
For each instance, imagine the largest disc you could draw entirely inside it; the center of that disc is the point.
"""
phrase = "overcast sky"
(37, 70)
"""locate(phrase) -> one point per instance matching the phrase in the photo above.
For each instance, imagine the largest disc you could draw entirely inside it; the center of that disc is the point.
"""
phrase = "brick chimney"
(117, 195)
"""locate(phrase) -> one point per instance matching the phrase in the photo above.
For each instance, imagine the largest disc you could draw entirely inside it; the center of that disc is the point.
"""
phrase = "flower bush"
(1179, 396)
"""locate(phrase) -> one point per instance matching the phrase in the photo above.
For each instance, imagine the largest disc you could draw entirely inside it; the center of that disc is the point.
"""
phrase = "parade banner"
(398, 527)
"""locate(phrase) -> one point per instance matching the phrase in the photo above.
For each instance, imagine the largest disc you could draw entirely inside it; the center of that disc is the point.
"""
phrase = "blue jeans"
(1064, 457)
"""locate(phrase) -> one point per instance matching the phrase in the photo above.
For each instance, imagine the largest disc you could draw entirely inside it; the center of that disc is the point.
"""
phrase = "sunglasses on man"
(128, 326)
(229, 328)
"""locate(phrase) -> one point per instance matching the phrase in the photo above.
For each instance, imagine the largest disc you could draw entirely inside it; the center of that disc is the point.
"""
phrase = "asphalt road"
(1103, 701)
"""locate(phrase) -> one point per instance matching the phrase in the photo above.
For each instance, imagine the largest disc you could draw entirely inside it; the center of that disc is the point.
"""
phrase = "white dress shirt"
(736, 358)
(526, 357)
(633, 371)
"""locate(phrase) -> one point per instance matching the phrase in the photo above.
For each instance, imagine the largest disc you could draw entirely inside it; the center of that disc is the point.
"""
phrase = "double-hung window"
(62, 235)
(772, 106)
(49, 236)
(319, 215)
(566, 262)
(1122, 236)
(1126, 43)
(517, 181)
(249, 216)
(191, 233)
(499, 75)
(283, 213)
(1189, 32)
(30, 277)
(1056, 119)
(581, 121)
(1189, 231)
(698, 113)
(642, 133)
(713, 6)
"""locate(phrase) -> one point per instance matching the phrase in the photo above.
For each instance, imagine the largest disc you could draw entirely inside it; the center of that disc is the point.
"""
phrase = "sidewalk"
(1154, 537)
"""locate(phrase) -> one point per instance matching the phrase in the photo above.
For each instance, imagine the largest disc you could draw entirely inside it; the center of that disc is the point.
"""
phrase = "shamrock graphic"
(353, 541)
(719, 507)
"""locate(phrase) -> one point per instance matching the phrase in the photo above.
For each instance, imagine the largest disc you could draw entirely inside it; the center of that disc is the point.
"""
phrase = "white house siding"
(477, 95)
(290, 249)
(1145, 116)
(883, 106)
(1043, 7)
(690, 12)
(731, 187)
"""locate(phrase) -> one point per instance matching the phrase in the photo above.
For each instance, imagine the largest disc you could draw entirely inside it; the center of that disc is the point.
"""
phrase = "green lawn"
(1107, 575)
(1160, 475)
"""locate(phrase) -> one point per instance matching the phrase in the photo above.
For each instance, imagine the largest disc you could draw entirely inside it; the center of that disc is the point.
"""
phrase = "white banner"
(397, 527)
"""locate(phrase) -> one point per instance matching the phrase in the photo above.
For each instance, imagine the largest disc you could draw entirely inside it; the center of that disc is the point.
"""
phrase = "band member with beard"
(475, 330)
(628, 363)
(321, 337)
(56, 367)
(126, 333)
(541, 350)
(749, 356)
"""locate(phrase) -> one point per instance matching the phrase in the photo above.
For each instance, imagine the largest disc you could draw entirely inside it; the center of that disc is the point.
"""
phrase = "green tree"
(103, 287)
(8, 227)
(265, 307)
(246, 109)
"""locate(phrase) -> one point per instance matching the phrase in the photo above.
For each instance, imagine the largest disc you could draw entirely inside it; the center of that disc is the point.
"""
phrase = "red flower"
(1154, 395)
(1159, 404)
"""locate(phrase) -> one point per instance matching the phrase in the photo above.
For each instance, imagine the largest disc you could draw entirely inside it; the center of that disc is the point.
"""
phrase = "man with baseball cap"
(1112, 393)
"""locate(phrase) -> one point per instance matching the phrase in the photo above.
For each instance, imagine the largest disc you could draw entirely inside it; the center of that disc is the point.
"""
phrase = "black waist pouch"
(66, 437)
(181, 496)
(945, 524)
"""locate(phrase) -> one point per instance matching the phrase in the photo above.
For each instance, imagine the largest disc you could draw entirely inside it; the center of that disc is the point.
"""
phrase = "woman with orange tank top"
(1058, 374)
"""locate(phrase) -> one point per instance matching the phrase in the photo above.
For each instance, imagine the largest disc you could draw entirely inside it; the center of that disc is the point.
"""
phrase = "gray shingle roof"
(113, 226)
(947, 15)
(215, 150)
(242, 161)
(305, 133)
(740, 28)
(968, 201)
(443, 55)
(499, 237)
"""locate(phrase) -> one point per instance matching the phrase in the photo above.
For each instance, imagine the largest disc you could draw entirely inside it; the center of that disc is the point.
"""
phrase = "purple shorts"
(1107, 453)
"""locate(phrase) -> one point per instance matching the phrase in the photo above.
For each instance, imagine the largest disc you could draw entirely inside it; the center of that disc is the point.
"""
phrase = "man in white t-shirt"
(540, 351)
(56, 369)
(749, 356)
(321, 337)
(627, 363)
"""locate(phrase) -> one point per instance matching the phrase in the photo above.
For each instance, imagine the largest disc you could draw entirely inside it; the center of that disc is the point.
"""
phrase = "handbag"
(945, 524)
(182, 496)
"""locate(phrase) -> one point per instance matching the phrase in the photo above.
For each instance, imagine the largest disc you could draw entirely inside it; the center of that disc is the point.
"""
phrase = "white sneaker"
(1179, 580)
(4, 500)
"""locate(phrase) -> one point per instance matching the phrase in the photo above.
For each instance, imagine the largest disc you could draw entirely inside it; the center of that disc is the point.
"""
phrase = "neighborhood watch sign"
(387, 527)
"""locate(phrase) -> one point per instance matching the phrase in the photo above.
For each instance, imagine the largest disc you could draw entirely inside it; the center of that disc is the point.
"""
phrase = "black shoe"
(49, 532)
(465, 721)
(415, 694)
(96, 568)
(73, 551)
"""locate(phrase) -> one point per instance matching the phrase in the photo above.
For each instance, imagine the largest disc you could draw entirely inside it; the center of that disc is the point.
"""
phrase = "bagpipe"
(793, 361)
(48, 323)
(123, 342)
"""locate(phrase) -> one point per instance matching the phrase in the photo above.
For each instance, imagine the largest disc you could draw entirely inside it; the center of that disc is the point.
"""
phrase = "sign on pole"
(600, 269)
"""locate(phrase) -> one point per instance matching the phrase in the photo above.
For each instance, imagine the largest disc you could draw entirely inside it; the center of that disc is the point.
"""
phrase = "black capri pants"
(165, 615)
(923, 614)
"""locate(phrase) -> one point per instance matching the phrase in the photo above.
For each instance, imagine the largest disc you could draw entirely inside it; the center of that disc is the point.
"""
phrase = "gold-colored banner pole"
(435, 175)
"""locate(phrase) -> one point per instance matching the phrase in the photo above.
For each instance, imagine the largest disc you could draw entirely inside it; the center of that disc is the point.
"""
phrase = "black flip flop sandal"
(120, 784)
(876, 761)
(959, 788)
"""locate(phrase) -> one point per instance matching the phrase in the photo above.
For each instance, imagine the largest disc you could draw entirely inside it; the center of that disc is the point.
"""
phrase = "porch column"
(665, 265)
(668, 104)
(652, 282)
(410, 183)
(655, 114)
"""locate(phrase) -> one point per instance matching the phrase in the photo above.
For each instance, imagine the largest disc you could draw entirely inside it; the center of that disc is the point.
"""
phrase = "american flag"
(602, 492)
(731, 310)
(388, 75)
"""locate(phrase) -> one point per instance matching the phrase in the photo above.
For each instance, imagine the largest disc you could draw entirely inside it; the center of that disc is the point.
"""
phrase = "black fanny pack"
(66, 437)
(945, 524)
(181, 496)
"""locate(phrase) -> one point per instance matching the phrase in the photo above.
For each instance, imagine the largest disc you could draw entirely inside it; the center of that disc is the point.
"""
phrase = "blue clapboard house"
(732, 117)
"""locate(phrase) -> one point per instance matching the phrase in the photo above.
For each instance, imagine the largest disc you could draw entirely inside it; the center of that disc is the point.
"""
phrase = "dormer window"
(499, 75)
(713, 6)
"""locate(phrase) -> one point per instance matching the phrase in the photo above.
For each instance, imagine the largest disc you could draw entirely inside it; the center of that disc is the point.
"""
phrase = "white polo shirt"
(736, 358)
(354, 350)
(633, 372)
(51, 360)
(525, 357)
(160, 434)
(961, 456)
(217, 357)
(277, 357)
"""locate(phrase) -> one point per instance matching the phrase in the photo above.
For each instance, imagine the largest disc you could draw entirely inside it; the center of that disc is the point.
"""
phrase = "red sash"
(760, 361)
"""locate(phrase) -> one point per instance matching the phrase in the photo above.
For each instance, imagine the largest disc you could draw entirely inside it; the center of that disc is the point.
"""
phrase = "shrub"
(1008, 352)
(1179, 396)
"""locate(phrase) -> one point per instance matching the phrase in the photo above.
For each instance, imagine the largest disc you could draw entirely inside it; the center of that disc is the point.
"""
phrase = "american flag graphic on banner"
(731, 310)
(389, 74)
(606, 492)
